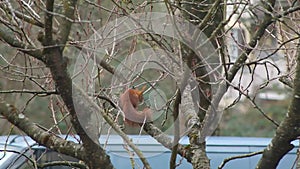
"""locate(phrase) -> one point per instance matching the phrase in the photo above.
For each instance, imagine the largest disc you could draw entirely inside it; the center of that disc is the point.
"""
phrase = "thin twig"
(35, 92)
(238, 157)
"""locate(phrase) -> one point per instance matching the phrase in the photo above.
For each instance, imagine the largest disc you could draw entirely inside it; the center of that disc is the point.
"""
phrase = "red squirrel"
(129, 101)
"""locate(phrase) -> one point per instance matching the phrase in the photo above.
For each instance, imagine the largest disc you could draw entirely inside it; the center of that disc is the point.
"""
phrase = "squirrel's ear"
(143, 89)
(140, 92)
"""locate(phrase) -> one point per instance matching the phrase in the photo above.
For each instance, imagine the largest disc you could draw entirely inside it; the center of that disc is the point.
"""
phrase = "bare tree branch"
(24, 17)
(65, 25)
(209, 117)
(39, 135)
(7, 35)
(238, 157)
(63, 163)
(35, 92)
(288, 130)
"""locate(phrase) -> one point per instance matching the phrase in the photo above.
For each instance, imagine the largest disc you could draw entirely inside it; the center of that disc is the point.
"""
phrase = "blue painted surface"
(218, 148)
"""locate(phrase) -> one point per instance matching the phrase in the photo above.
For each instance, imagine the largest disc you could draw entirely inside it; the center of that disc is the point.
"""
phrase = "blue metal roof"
(218, 148)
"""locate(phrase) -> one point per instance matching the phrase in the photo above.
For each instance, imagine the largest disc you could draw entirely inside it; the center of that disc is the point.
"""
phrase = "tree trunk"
(207, 16)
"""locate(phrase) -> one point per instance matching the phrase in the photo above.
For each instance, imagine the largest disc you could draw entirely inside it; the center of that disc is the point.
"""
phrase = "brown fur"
(129, 101)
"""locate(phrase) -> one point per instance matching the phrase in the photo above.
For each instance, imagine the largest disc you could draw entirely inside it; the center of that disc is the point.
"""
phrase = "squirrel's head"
(136, 95)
